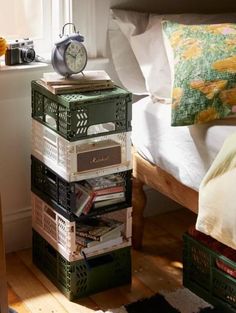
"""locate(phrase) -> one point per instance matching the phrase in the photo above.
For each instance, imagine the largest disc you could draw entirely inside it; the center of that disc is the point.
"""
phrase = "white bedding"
(184, 152)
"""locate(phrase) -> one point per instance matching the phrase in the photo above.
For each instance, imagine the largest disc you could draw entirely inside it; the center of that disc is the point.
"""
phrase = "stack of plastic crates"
(76, 137)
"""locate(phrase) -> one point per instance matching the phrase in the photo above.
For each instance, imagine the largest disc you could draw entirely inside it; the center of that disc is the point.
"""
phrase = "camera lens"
(27, 55)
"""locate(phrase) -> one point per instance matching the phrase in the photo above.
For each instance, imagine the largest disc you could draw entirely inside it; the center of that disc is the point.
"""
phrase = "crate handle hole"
(101, 128)
(50, 212)
(50, 121)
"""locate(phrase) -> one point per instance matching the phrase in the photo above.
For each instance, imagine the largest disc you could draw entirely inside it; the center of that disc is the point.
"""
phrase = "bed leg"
(138, 203)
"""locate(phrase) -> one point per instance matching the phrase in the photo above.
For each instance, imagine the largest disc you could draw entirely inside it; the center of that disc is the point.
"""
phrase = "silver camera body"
(20, 52)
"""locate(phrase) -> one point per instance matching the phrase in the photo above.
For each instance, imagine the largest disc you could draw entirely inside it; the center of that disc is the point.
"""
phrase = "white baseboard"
(18, 230)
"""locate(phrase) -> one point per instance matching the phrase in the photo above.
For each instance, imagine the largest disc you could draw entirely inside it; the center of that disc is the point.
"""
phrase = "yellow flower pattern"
(176, 38)
(210, 89)
(204, 67)
(226, 65)
(192, 52)
(176, 96)
(207, 115)
(228, 97)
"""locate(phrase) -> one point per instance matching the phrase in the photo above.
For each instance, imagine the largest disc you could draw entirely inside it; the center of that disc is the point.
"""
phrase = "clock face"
(75, 57)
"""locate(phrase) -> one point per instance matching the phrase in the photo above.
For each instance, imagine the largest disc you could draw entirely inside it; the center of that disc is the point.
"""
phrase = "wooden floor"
(157, 267)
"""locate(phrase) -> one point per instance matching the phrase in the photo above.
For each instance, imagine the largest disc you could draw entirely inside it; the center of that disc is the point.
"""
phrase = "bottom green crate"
(85, 277)
(202, 276)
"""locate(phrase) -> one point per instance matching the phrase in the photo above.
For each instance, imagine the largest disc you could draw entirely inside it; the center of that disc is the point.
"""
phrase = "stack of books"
(85, 81)
(98, 192)
(94, 234)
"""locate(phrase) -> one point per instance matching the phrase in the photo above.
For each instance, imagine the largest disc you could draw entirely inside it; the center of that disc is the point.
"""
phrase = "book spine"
(89, 204)
(87, 235)
(106, 191)
(100, 204)
(81, 241)
(104, 245)
(105, 185)
(110, 196)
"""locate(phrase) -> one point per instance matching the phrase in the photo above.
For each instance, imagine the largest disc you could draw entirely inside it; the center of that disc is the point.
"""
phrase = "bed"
(172, 160)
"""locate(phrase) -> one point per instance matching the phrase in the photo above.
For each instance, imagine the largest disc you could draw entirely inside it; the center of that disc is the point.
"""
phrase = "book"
(106, 191)
(100, 204)
(108, 181)
(84, 200)
(85, 81)
(86, 242)
(116, 195)
(86, 77)
(72, 88)
(101, 245)
(99, 228)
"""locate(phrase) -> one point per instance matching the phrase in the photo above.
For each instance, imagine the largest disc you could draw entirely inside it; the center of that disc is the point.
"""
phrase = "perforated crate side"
(73, 115)
(53, 227)
(84, 277)
(61, 233)
(199, 265)
(61, 194)
(62, 156)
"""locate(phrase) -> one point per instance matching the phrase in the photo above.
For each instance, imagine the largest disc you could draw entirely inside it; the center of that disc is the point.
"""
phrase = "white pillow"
(124, 60)
(148, 44)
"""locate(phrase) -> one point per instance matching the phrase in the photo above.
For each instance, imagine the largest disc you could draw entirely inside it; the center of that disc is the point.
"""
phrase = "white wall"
(15, 141)
(15, 149)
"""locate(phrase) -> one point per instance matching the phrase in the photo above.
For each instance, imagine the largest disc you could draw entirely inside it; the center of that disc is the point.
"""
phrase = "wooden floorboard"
(16, 302)
(157, 267)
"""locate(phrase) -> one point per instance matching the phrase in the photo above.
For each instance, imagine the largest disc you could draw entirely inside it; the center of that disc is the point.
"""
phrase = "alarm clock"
(69, 55)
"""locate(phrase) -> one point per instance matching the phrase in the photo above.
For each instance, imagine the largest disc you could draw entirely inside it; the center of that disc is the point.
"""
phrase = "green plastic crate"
(71, 115)
(82, 278)
(201, 275)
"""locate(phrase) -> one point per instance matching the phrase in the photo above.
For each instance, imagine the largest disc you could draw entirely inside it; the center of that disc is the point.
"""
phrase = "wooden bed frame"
(143, 171)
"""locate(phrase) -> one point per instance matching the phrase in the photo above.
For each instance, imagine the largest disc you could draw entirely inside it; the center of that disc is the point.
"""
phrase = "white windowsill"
(21, 67)
(38, 65)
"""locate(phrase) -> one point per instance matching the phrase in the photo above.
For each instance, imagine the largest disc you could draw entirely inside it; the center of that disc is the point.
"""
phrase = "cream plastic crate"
(61, 233)
(61, 155)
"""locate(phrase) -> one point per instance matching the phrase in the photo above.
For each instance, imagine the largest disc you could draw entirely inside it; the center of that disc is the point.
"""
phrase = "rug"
(179, 301)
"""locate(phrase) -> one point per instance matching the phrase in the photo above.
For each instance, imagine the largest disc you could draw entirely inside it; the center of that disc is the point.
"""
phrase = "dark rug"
(180, 301)
(158, 303)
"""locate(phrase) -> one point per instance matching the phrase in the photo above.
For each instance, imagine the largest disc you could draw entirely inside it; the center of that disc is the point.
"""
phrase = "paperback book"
(98, 192)
(85, 81)
(84, 200)
(100, 204)
(100, 229)
(108, 181)
(101, 245)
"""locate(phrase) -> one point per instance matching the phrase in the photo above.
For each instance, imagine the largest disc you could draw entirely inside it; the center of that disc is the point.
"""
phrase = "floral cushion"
(204, 71)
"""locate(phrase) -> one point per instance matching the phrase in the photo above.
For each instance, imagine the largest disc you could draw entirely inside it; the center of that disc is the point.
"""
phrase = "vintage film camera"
(20, 52)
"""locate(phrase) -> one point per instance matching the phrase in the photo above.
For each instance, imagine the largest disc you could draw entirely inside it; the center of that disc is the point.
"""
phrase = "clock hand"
(73, 56)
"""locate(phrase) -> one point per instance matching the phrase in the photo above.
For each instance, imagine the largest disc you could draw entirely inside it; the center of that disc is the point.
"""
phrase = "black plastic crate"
(60, 194)
(203, 277)
(74, 115)
(84, 277)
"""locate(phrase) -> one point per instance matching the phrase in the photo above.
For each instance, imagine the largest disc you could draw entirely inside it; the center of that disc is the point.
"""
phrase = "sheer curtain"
(21, 19)
(42, 21)
(91, 19)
